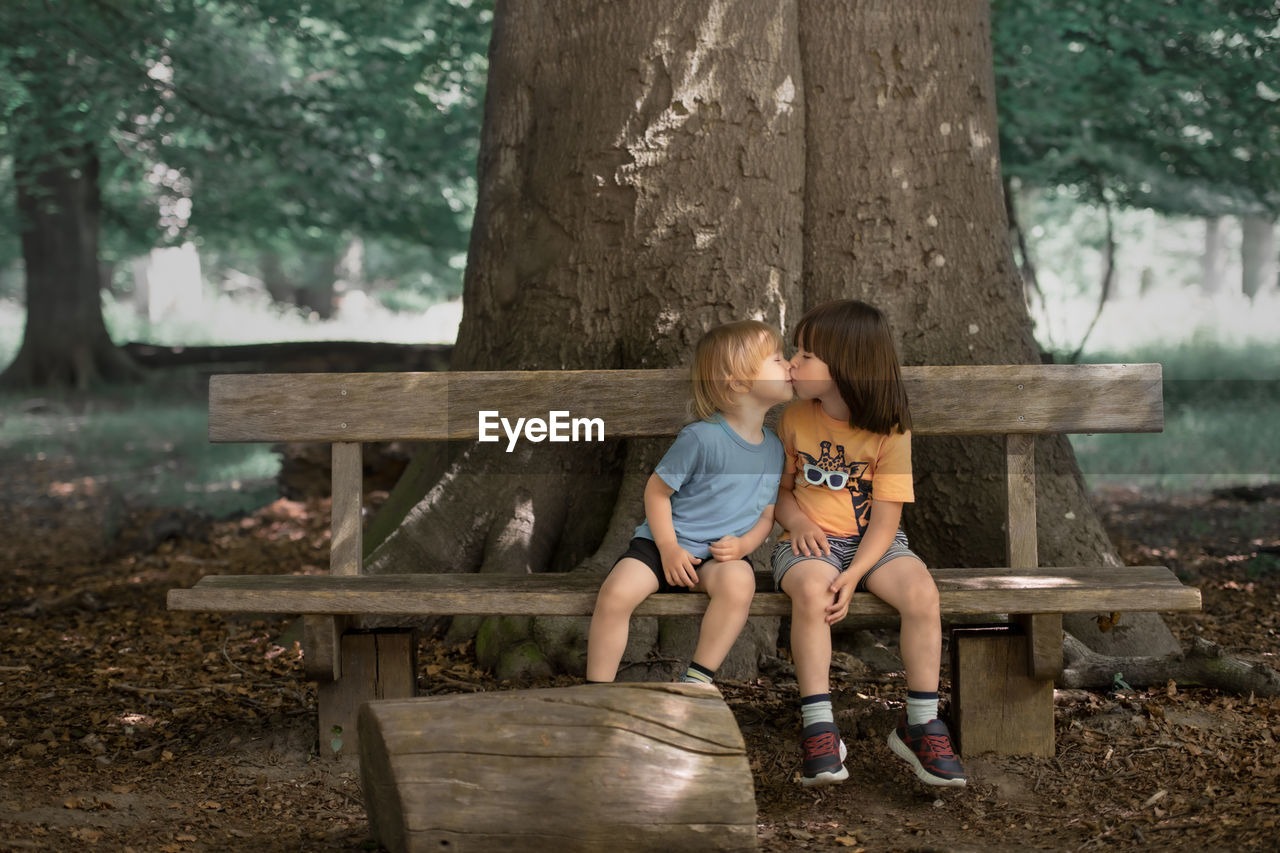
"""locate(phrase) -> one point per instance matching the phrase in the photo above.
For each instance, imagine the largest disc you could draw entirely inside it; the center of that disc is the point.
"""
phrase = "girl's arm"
(807, 537)
(736, 547)
(677, 563)
(881, 528)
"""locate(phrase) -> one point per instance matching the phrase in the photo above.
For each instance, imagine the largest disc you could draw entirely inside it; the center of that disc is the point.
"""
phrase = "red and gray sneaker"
(824, 755)
(927, 748)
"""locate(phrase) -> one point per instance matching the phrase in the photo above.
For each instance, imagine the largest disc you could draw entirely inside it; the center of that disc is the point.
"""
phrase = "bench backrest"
(1017, 401)
(961, 400)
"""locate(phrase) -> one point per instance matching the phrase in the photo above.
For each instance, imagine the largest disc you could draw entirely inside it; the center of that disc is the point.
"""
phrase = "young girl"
(708, 504)
(848, 472)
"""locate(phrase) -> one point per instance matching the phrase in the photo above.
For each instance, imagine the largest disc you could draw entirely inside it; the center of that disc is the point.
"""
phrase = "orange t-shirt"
(874, 465)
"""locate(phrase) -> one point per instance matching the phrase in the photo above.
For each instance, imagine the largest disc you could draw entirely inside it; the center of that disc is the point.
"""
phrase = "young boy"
(708, 504)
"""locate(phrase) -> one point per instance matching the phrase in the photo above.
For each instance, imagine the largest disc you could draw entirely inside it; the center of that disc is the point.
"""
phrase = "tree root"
(1204, 665)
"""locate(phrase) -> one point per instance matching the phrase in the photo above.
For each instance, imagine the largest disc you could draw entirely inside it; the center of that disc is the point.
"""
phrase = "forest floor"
(126, 727)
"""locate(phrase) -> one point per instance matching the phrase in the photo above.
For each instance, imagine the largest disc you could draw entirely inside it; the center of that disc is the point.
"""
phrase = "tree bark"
(65, 341)
(640, 178)
(723, 159)
(904, 208)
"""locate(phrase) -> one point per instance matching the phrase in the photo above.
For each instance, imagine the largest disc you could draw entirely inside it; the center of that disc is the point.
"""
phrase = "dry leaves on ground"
(126, 727)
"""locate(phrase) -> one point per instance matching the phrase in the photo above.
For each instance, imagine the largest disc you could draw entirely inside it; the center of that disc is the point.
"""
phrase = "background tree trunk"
(277, 282)
(1258, 262)
(640, 178)
(1214, 258)
(904, 208)
(66, 340)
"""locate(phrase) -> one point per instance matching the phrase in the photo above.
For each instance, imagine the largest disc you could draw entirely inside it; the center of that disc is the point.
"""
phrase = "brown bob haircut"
(854, 340)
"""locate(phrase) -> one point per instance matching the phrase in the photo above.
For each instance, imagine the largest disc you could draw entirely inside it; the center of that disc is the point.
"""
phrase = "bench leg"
(997, 706)
(375, 665)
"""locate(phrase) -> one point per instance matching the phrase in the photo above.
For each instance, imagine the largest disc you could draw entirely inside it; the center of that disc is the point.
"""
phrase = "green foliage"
(251, 121)
(1222, 421)
(1142, 102)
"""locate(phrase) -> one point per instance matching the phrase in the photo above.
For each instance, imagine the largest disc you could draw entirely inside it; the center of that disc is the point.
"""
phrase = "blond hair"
(727, 354)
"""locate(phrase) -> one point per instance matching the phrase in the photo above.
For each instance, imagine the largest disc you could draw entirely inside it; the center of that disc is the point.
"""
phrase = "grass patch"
(1222, 421)
(145, 445)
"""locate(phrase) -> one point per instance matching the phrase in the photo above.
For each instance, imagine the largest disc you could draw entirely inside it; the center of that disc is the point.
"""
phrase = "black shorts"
(646, 551)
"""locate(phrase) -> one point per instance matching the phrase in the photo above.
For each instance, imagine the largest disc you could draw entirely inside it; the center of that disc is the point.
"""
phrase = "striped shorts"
(842, 551)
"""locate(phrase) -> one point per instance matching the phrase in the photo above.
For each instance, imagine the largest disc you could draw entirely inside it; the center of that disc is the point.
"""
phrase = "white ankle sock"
(921, 707)
(816, 709)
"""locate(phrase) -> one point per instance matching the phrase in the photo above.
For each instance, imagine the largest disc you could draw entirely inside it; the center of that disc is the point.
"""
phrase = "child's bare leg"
(630, 583)
(921, 739)
(807, 583)
(906, 586)
(730, 586)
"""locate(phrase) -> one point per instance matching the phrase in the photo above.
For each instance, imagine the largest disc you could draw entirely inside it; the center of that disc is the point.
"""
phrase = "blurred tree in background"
(256, 126)
(282, 137)
(1145, 104)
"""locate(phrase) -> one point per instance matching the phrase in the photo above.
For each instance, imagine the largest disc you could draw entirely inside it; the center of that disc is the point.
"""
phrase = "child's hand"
(678, 565)
(728, 548)
(842, 588)
(807, 539)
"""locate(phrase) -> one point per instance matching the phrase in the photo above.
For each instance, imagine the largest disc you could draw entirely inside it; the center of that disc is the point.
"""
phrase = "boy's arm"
(881, 528)
(807, 537)
(736, 547)
(677, 563)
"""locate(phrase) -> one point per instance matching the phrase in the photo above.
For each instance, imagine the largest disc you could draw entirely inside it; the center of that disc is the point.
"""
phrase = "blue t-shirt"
(722, 483)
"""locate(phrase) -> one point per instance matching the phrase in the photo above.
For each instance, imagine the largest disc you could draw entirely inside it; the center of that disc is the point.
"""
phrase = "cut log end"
(621, 767)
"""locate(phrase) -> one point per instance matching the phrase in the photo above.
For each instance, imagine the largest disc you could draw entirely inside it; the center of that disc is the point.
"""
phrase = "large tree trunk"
(651, 169)
(904, 208)
(640, 177)
(66, 341)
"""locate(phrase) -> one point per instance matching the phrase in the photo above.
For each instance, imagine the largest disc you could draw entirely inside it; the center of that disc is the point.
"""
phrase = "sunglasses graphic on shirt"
(833, 480)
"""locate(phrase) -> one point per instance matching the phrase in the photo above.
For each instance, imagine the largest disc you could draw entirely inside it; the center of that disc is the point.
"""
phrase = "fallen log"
(1205, 665)
(618, 767)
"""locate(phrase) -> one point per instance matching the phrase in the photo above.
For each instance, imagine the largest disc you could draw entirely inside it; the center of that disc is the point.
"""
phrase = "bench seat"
(1002, 672)
(963, 592)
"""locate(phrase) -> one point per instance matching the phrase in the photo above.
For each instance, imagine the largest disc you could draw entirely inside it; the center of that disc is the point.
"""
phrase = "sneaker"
(824, 755)
(927, 748)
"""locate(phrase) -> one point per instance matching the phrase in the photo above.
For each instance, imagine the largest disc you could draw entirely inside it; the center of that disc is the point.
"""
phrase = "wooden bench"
(1002, 679)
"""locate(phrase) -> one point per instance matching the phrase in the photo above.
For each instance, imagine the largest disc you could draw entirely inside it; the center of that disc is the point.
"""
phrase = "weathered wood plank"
(348, 491)
(963, 592)
(322, 647)
(952, 400)
(1043, 631)
(1044, 644)
(1020, 520)
(375, 665)
(603, 767)
(996, 705)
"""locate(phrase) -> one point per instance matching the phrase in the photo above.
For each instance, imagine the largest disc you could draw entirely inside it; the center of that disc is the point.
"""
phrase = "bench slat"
(963, 592)
(956, 400)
